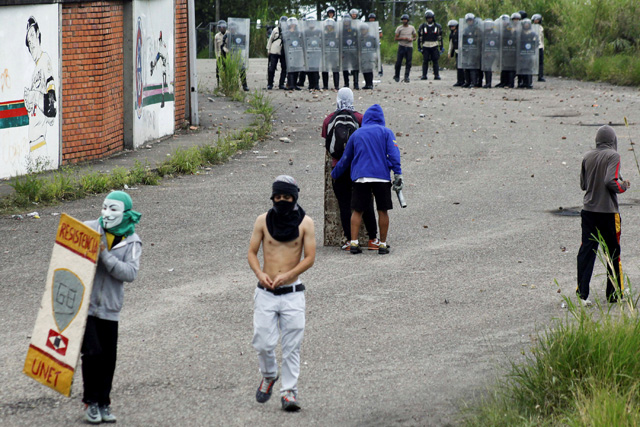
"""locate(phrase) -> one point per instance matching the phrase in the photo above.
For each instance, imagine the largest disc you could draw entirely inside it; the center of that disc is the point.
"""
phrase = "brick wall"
(92, 76)
(180, 80)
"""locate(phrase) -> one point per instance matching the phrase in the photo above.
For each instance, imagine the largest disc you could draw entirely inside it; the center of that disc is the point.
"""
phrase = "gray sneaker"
(290, 401)
(107, 416)
(265, 388)
(92, 414)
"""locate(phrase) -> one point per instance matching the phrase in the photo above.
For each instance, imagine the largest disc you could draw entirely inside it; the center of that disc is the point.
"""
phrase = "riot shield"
(238, 38)
(491, 46)
(349, 45)
(312, 35)
(527, 49)
(369, 43)
(508, 44)
(293, 48)
(331, 46)
(470, 44)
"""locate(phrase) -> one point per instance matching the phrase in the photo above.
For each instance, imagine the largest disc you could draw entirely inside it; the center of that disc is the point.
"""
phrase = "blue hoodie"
(371, 150)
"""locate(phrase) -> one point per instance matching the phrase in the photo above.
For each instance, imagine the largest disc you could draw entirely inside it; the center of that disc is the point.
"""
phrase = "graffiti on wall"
(154, 97)
(29, 125)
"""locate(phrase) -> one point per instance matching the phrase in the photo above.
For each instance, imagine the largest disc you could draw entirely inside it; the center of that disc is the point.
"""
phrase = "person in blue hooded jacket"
(371, 152)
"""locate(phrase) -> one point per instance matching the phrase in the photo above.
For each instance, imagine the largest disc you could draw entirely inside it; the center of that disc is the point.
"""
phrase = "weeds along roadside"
(583, 370)
(69, 183)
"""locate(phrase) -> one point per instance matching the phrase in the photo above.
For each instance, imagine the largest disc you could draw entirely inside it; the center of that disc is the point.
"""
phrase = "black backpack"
(341, 127)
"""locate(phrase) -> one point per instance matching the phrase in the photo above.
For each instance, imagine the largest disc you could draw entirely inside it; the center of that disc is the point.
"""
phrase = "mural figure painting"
(40, 98)
(162, 55)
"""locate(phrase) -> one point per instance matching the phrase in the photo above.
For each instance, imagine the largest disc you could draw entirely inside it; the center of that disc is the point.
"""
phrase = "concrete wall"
(154, 67)
(116, 84)
(29, 89)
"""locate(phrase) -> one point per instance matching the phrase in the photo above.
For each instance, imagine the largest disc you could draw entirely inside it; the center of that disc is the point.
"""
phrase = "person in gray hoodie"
(601, 180)
(119, 262)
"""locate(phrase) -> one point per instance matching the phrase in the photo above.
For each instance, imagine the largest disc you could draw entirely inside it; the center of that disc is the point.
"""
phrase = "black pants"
(541, 63)
(314, 79)
(273, 64)
(472, 78)
(460, 72)
(404, 52)
(99, 350)
(507, 78)
(354, 74)
(430, 54)
(292, 80)
(368, 79)
(342, 188)
(336, 80)
(487, 78)
(609, 226)
(302, 77)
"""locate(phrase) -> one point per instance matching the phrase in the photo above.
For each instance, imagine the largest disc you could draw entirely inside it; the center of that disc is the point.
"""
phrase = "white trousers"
(274, 315)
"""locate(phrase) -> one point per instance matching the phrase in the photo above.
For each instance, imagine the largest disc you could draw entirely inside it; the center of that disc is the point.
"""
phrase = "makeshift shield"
(293, 47)
(349, 45)
(491, 46)
(470, 44)
(369, 42)
(238, 38)
(527, 50)
(59, 330)
(312, 34)
(508, 45)
(331, 46)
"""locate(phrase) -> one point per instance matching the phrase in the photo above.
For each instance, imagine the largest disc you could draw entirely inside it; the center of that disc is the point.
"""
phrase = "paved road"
(404, 339)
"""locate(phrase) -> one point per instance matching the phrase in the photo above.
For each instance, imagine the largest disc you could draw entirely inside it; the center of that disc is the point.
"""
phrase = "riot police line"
(509, 45)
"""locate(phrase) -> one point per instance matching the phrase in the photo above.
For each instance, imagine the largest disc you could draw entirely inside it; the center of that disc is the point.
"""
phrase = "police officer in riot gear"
(471, 32)
(331, 13)
(354, 14)
(239, 40)
(430, 44)
(453, 50)
(331, 52)
(313, 47)
(350, 51)
(276, 54)
(369, 52)
(490, 51)
(526, 56)
(372, 18)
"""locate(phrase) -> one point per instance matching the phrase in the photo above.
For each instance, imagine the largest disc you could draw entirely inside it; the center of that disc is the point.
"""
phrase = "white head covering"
(344, 100)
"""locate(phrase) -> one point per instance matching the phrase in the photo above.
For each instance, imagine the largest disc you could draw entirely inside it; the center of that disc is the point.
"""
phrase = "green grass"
(583, 371)
(68, 184)
(230, 68)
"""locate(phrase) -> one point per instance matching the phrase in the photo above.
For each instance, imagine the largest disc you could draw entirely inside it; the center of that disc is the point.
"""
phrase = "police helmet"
(469, 16)
(403, 17)
(526, 23)
(429, 14)
(331, 9)
(452, 23)
(233, 27)
(523, 14)
(354, 12)
(504, 18)
(364, 28)
(372, 15)
(222, 23)
(488, 21)
(292, 21)
(516, 15)
(535, 17)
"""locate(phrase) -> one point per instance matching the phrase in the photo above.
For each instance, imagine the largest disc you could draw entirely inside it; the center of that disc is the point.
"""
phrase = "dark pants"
(541, 63)
(404, 52)
(460, 73)
(342, 188)
(487, 78)
(292, 80)
(99, 350)
(354, 74)
(336, 80)
(273, 64)
(430, 54)
(314, 79)
(609, 225)
(368, 80)
(302, 77)
(472, 78)
(507, 78)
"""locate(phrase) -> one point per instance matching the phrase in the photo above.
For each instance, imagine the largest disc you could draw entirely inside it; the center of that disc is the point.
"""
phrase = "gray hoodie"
(600, 176)
(115, 267)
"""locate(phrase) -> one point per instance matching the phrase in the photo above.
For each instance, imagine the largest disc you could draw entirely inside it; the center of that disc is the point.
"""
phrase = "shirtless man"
(279, 302)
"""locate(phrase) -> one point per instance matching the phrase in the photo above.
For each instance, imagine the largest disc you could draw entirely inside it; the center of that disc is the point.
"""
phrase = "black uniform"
(472, 76)
(490, 53)
(369, 53)
(313, 43)
(350, 61)
(453, 39)
(331, 50)
(430, 33)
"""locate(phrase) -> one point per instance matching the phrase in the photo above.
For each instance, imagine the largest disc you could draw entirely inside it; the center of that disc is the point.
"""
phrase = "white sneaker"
(585, 302)
(107, 416)
(92, 414)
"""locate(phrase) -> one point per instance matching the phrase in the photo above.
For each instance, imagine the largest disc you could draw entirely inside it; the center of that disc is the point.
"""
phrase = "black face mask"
(283, 208)
(284, 219)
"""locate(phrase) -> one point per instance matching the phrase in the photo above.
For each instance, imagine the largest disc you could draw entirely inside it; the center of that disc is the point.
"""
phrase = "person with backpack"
(370, 154)
(336, 130)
